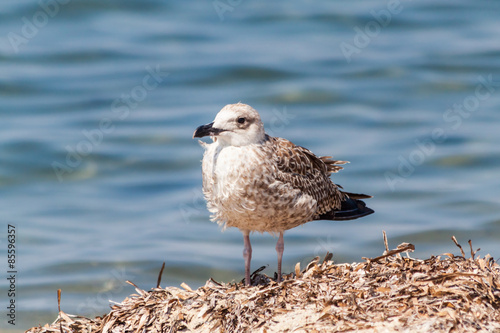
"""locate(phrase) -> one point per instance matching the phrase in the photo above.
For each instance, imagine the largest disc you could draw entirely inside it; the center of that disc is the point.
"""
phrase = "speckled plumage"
(267, 187)
(256, 182)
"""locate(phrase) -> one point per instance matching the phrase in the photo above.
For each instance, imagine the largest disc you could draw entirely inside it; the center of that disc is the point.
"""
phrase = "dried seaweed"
(443, 294)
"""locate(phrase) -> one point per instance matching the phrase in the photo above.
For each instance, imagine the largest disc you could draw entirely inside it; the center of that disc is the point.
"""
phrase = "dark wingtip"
(351, 209)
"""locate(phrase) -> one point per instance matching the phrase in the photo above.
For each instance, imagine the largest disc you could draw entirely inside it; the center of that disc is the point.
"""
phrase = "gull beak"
(205, 130)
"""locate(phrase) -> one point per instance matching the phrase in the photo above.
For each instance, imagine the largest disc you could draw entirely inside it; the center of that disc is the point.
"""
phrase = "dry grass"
(386, 294)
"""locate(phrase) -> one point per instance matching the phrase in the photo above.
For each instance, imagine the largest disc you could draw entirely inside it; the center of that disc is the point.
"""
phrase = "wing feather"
(305, 171)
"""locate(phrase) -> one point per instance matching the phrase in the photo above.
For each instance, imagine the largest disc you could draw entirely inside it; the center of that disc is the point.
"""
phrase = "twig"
(215, 282)
(328, 257)
(385, 242)
(59, 308)
(472, 252)
(404, 247)
(451, 275)
(131, 283)
(459, 246)
(159, 275)
(59, 300)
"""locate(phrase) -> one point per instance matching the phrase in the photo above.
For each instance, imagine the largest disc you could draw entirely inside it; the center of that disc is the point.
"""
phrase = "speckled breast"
(242, 192)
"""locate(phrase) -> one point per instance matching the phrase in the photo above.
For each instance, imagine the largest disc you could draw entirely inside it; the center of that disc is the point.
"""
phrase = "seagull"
(256, 182)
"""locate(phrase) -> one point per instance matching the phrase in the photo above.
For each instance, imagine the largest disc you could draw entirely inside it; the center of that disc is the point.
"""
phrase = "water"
(99, 100)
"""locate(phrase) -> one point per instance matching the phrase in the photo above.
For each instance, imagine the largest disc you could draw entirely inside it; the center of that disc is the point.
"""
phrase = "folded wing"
(309, 173)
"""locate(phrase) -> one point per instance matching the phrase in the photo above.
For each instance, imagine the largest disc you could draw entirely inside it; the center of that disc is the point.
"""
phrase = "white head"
(235, 125)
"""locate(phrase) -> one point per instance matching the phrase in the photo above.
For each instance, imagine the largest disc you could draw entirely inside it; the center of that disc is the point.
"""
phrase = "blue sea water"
(99, 99)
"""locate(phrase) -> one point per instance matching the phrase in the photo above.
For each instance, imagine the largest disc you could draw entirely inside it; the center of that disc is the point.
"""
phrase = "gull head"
(235, 125)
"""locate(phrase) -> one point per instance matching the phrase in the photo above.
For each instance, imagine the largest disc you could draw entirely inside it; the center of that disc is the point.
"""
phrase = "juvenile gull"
(256, 182)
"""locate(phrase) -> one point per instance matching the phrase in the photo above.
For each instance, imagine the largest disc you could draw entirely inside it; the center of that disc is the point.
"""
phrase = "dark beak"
(205, 130)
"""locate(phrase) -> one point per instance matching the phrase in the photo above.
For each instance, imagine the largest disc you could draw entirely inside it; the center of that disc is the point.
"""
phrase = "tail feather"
(350, 209)
(331, 164)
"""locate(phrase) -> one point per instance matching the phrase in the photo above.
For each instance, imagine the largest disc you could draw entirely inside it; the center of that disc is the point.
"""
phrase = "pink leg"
(280, 247)
(247, 255)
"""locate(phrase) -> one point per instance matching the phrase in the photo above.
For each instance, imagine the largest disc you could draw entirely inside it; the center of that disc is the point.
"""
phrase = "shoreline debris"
(387, 293)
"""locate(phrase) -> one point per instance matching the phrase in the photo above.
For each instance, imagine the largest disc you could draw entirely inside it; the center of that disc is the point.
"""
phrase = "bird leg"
(280, 247)
(247, 255)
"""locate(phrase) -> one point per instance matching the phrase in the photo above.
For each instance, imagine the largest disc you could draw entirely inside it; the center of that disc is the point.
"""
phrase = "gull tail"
(350, 209)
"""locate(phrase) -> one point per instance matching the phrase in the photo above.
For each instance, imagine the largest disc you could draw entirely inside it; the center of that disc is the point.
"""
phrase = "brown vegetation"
(446, 293)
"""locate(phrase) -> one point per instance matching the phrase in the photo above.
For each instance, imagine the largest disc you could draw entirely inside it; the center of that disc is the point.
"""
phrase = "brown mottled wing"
(303, 170)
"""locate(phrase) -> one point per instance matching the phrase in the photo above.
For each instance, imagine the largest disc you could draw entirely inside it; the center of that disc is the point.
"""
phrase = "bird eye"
(241, 120)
